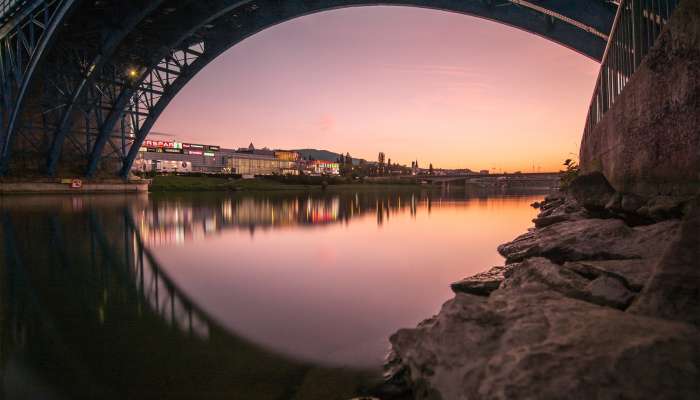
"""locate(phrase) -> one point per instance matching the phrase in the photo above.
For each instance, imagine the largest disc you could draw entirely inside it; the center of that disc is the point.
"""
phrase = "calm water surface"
(269, 296)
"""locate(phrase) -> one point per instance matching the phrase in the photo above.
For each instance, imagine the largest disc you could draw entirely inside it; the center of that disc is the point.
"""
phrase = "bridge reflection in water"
(86, 312)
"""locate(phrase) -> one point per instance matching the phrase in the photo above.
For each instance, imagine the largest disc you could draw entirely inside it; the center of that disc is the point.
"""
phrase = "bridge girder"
(116, 65)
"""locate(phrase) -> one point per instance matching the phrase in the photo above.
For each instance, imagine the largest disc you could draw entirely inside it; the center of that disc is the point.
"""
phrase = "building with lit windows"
(247, 164)
(321, 167)
(249, 161)
(163, 153)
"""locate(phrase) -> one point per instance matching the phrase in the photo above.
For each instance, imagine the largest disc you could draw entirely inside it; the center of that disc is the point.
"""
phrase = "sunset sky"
(443, 88)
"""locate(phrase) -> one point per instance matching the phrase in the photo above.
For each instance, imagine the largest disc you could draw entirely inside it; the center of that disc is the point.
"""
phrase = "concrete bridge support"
(648, 143)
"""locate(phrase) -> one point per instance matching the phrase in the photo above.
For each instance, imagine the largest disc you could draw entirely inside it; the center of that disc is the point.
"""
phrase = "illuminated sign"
(192, 146)
(208, 154)
(195, 153)
(168, 150)
(213, 148)
(162, 144)
(143, 149)
(326, 164)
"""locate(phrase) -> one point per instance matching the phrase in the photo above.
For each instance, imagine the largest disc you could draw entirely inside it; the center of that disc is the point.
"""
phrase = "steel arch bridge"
(83, 81)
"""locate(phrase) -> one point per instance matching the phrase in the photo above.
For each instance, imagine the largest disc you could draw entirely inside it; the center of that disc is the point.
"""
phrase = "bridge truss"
(83, 82)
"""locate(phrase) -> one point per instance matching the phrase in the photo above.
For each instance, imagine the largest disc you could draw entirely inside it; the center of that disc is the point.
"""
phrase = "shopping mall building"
(162, 153)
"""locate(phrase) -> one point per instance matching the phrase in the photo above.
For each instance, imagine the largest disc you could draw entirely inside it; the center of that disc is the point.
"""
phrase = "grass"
(173, 183)
(168, 183)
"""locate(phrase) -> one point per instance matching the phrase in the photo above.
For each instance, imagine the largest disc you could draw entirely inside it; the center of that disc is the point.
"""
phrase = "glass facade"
(250, 164)
(286, 155)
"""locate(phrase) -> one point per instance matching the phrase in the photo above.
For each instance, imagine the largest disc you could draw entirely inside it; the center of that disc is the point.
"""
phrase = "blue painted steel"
(7, 8)
(155, 112)
(108, 47)
(29, 75)
(220, 24)
(106, 129)
(597, 15)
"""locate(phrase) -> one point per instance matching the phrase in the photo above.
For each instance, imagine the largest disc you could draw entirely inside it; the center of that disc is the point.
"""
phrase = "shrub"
(569, 174)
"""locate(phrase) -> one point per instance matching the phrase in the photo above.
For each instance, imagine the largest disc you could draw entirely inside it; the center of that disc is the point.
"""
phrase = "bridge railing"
(637, 25)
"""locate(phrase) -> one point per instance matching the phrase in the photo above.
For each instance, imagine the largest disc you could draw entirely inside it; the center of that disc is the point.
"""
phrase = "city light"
(133, 73)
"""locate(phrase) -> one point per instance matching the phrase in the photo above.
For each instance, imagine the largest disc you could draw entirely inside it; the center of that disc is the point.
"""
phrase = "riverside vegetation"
(167, 183)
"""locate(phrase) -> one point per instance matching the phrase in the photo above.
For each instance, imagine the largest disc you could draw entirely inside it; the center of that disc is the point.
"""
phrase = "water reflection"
(328, 277)
(227, 296)
(87, 312)
(175, 219)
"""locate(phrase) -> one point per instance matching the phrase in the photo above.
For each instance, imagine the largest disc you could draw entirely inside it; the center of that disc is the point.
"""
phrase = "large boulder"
(566, 211)
(664, 207)
(636, 272)
(591, 239)
(527, 342)
(595, 286)
(592, 191)
(482, 284)
(673, 292)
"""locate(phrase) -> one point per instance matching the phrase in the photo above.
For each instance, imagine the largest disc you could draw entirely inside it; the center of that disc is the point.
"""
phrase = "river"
(217, 295)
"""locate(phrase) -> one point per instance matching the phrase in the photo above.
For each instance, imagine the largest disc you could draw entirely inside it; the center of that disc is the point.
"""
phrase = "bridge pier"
(648, 142)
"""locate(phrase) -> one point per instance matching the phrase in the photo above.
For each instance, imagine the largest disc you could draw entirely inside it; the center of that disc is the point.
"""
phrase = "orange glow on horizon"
(443, 88)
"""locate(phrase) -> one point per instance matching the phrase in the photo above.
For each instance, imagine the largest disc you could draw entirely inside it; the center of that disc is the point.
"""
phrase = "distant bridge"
(83, 82)
(534, 180)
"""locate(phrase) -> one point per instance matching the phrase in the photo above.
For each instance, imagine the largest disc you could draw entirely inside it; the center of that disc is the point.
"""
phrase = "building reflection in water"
(189, 218)
(87, 312)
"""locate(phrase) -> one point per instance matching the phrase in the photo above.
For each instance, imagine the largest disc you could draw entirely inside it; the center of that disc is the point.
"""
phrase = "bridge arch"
(132, 72)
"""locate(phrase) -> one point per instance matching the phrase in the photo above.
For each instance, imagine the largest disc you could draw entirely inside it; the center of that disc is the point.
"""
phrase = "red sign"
(76, 184)
(159, 144)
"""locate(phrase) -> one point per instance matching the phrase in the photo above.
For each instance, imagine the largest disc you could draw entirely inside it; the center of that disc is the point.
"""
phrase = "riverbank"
(173, 183)
(599, 300)
(71, 186)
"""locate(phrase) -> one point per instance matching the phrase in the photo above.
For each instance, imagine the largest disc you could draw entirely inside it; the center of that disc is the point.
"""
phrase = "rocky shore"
(601, 299)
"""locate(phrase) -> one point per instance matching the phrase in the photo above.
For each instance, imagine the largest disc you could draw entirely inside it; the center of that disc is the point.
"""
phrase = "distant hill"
(323, 155)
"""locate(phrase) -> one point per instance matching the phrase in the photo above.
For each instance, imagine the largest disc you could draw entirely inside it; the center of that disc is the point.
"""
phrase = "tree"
(430, 169)
(363, 168)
